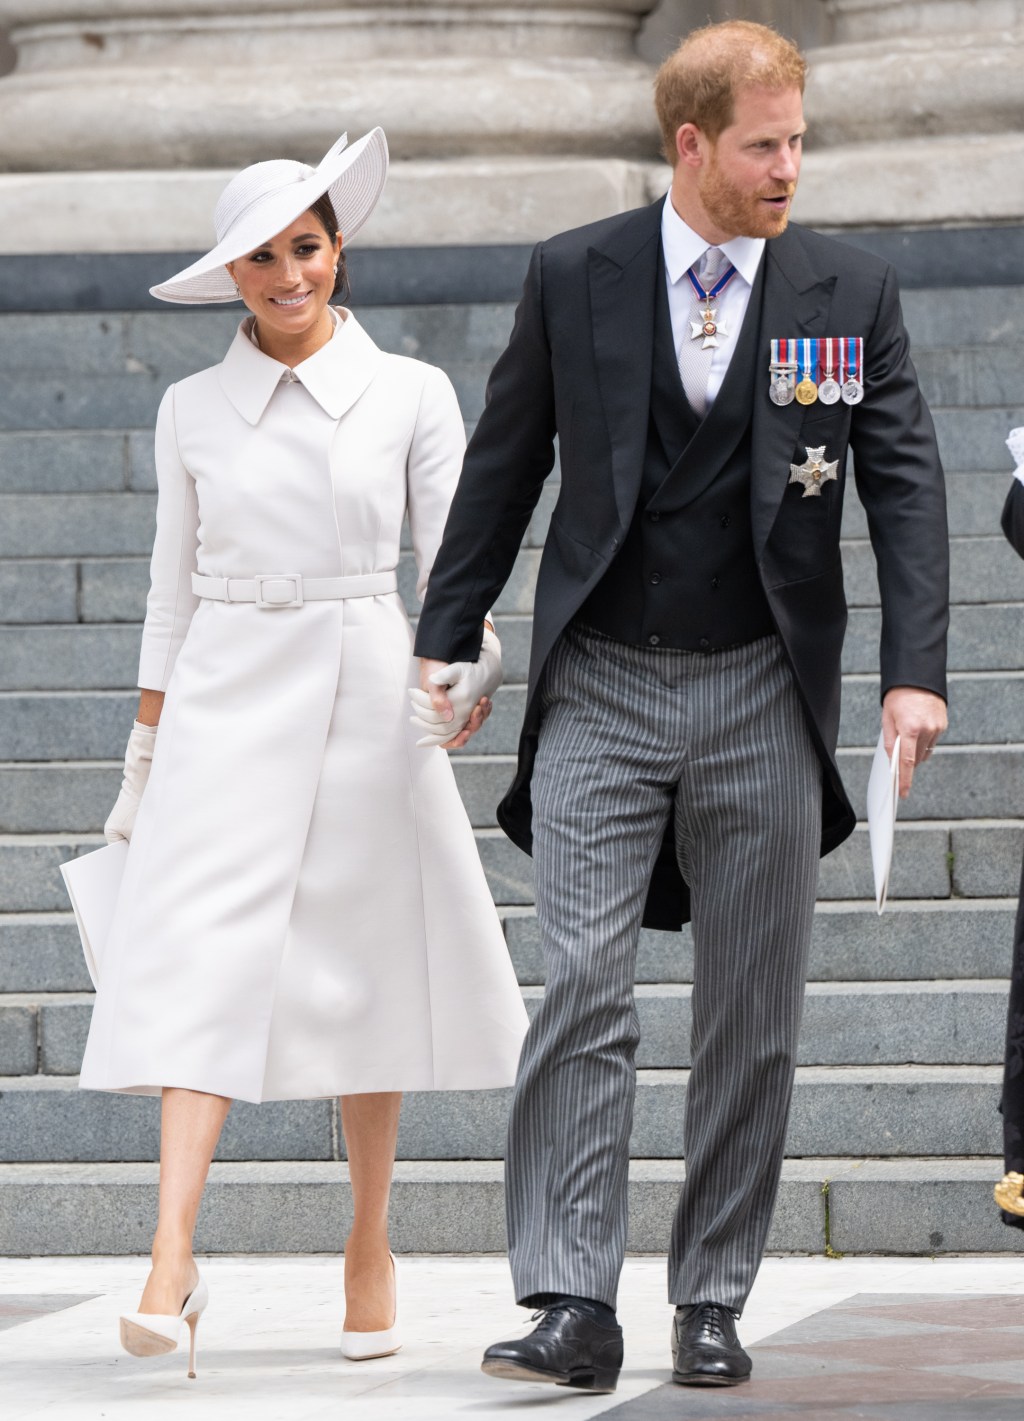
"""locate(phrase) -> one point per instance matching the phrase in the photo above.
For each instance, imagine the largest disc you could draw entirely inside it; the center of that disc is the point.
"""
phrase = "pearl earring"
(335, 268)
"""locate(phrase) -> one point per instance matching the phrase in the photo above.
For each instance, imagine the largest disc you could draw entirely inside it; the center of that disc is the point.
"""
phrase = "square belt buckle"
(278, 589)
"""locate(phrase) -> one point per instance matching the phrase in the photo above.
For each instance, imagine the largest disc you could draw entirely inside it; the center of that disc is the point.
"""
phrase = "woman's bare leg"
(370, 1123)
(190, 1126)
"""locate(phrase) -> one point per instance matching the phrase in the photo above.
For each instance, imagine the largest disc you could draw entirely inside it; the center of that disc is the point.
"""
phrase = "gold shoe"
(1009, 1193)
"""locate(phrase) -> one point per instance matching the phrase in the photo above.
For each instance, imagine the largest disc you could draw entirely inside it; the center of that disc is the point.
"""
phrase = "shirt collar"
(335, 375)
(682, 247)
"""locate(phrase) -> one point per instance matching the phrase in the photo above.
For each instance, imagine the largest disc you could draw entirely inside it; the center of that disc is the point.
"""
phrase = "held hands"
(918, 718)
(137, 760)
(454, 699)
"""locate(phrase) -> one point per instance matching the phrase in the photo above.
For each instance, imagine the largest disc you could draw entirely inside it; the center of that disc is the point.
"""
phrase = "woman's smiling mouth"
(291, 300)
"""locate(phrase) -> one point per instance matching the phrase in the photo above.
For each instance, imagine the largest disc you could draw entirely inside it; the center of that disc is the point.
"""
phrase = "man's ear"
(690, 145)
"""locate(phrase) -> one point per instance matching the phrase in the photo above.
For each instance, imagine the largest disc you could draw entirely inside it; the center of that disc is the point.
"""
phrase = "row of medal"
(825, 368)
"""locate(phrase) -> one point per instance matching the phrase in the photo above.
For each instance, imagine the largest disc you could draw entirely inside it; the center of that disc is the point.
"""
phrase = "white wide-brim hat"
(265, 198)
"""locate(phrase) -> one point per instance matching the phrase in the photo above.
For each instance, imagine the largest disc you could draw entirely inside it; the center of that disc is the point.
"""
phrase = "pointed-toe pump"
(149, 1334)
(363, 1346)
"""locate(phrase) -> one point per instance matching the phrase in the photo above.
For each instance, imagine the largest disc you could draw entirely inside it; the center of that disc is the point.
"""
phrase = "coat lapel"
(622, 270)
(797, 300)
(673, 418)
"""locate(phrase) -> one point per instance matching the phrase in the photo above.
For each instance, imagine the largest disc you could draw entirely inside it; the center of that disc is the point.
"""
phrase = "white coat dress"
(303, 912)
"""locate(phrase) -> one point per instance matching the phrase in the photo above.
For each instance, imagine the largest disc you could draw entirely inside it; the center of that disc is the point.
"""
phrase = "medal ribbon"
(854, 356)
(827, 367)
(706, 297)
(807, 352)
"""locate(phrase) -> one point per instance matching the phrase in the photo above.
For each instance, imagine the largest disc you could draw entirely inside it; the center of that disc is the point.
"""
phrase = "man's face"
(747, 181)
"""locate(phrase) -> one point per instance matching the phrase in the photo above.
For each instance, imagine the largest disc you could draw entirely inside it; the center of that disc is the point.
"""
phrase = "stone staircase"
(894, 1135)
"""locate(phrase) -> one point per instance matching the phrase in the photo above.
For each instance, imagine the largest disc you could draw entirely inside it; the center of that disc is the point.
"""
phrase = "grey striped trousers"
(626, 733)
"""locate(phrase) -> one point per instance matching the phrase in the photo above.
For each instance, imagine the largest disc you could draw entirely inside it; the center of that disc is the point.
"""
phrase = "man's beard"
(739, 213)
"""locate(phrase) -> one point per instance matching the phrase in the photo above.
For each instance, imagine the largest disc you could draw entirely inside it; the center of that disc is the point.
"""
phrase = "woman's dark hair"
(323, 211)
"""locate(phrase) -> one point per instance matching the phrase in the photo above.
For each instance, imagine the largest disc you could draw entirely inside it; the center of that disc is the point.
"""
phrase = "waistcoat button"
(704, 643)
(714, 582)
(724, 521)
(654, 640)
(654, 516)
(655, 578)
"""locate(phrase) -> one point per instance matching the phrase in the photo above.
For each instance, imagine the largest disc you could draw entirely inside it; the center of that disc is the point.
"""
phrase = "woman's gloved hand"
(462, 685)
(137, 760)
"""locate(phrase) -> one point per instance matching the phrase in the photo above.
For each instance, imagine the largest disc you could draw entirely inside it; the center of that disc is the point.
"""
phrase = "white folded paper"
(93, 883)
(883, 798)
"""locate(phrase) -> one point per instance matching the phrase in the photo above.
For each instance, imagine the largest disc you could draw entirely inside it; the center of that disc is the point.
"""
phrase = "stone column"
(506, 122)
(917, 115)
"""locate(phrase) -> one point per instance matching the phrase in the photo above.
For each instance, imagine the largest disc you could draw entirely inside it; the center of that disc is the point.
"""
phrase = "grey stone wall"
(808, 22)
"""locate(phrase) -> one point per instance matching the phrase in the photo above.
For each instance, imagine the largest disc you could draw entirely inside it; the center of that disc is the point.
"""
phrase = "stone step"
(110, 341)
(844, 1024)
(963, 316)
(970, 781)
(114, 461)
(69, 559)
(102, 656)
(912, 1206)
(981, 638)
(970, 375)
(887, 1111)
(71, 350)
(981, 570)
(951, 939)
(965, 781)
(986, 708)
(68, 356)
(974, 502)
(923, 940)
(974, 440)
(973, 859)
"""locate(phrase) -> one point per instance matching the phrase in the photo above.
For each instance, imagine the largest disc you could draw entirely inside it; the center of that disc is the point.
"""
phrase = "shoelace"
(544, 1317)
(711, 1318)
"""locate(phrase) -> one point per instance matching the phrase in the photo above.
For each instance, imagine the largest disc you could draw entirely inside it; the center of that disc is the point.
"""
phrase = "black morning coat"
(578, 364)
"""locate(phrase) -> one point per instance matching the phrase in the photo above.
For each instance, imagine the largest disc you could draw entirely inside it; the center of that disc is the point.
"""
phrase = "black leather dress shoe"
(705, 1348)
(567, 1348)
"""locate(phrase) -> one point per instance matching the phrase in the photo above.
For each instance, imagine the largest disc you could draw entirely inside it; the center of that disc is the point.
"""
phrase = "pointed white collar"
(682, 247)
(336, 375)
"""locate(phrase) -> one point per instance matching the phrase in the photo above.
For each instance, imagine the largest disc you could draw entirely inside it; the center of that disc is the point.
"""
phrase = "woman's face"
(288, 282)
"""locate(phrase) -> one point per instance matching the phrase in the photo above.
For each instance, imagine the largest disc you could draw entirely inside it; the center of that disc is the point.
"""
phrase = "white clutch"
(93, 882)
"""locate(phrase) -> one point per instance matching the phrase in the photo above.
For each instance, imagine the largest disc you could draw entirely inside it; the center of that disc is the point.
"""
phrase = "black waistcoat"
(686, 575)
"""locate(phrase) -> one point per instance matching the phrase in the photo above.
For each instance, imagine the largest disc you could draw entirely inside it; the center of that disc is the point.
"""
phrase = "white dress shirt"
(683, 248)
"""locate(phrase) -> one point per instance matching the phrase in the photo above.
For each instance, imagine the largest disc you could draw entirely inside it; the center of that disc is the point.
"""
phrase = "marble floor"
(893, 1339)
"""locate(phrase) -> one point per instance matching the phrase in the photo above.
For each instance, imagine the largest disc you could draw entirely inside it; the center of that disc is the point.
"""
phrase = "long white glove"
(137, 760)
(466, 682)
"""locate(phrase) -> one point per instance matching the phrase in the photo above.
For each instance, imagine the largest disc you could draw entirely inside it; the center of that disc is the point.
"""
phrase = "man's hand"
(918, 718)
(432, 702)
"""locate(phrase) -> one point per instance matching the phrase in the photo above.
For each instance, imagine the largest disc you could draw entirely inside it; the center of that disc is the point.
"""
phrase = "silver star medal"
(708, 327)
(814, 472)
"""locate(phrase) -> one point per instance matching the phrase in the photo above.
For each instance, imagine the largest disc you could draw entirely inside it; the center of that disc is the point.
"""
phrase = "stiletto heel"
(193, 1323)
(363, 1346)
(150, 1334)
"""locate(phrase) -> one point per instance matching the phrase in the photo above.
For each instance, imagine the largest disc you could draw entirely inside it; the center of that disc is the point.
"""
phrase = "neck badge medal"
(709, 327)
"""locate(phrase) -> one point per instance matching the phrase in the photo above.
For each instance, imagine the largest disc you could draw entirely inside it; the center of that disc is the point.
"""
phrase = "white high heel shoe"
(149, 1334)
(362, 1346)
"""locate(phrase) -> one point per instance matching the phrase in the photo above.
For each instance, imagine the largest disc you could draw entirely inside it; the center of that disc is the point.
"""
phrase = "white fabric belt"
(290, 589)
